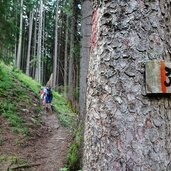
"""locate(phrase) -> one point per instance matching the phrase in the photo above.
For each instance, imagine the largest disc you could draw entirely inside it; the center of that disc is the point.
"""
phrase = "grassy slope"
(15, 99)
(8, 77)
(66, 116)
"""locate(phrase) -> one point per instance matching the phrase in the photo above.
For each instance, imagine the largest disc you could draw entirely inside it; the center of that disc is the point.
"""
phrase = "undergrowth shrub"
(73, 155)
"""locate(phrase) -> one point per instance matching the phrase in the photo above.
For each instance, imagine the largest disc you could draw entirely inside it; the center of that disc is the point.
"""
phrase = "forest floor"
(45, 149)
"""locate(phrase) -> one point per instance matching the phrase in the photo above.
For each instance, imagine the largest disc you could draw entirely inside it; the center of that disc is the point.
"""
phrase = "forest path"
(51, 152)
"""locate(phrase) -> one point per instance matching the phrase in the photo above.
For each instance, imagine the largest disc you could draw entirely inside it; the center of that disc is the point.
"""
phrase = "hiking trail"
(45, 150)
(52, 154)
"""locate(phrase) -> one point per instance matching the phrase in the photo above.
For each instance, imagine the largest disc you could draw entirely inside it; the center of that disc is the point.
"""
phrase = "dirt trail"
(45, 150)
(52, 151)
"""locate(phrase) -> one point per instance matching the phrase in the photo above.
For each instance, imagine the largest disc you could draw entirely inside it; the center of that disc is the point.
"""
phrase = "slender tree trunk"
(55, 58)
(35, 45)
(39, 46)
(15, 53)
(71, 57)
(29, 43)
(20, 36)
(43, 47)
(66, 56)
(127, 130)
(77, 85)
(24, 47)
(58, 59)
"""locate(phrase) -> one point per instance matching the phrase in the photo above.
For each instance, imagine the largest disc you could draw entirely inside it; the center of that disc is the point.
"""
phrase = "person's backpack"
(49, 92)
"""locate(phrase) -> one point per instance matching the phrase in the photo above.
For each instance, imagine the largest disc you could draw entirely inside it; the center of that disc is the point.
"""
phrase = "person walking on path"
(48, 99)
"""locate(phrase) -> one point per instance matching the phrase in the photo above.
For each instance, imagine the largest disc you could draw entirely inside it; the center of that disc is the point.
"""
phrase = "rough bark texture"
(126, 130)
(86, 25)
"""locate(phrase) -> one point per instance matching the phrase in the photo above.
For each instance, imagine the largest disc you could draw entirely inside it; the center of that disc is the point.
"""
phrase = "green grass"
(73, 154)
(9, 89)
(27, 81)
(7, 110)
(66, 116)
(12, 160)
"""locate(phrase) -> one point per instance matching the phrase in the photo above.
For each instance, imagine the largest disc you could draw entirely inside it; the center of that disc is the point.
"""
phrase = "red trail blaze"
(163, 76)
(94, 28)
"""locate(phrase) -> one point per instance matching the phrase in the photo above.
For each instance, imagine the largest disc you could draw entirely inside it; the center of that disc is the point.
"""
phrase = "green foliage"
(66, 116)
(73, 155)
(7, 110)
(12, 160)
(27, 81)
(64, 169)
(5, 82)
(11, 92)
(8, 25)
(76, 93)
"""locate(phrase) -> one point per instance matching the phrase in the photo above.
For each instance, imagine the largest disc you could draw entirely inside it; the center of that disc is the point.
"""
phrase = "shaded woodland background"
(41, 38)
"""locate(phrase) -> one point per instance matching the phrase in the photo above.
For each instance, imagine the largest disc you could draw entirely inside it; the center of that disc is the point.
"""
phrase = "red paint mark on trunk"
(163, 76)
(94, 28)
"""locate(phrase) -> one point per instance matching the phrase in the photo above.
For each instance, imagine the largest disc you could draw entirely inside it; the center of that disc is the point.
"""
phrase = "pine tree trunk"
(59, 54)
(127, 130)
(71, 57)
(39, 46)
(35, 45)
(20, 36)
(43, 48)
(86, 25)
(29, 43)
(55, 58)
(66, 56)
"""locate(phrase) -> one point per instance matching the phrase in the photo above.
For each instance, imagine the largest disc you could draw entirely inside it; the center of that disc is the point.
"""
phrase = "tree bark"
(29, 43)
(55, 58)
(35, 46)
(86, 25)
(66, 56)
(20, 36)
(39, 46)
(127, 130)
(43, 48)
(71, 56)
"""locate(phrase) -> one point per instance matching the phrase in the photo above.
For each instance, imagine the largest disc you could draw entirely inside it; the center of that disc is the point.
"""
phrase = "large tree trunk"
(127, 130)
(86, 25)
(29, 43)
(20, 37)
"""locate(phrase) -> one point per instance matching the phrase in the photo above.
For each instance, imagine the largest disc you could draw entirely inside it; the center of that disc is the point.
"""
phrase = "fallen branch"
(25, 166)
